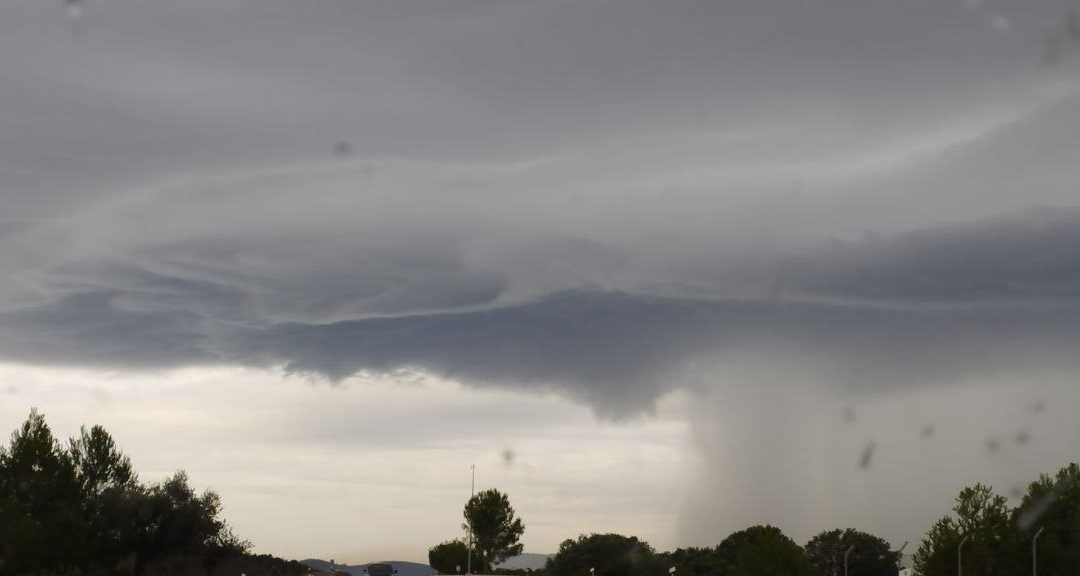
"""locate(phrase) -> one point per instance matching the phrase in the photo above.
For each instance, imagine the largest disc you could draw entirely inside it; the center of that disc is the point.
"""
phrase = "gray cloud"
(90, 329)
(887, 312)
(1025, 257)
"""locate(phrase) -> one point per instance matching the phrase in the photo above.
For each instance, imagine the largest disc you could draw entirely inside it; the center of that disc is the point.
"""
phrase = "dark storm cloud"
(89, 329)
(1031, 256)
(620, 352)
(920, 307)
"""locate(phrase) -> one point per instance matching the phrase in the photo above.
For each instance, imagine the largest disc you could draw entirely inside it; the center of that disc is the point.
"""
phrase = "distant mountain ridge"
(526, 560)
(403, 568)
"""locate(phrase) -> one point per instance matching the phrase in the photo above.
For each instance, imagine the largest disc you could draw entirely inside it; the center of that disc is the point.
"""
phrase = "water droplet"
(867, 456)
(1023, 437)
(342, 148)
(928, 431)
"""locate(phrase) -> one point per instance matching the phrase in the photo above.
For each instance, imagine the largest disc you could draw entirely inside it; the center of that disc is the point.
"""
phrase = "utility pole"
(846, 554)
(472, 493)
(900, 555)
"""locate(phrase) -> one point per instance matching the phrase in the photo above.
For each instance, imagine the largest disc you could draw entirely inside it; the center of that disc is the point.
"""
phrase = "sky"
(663, 269)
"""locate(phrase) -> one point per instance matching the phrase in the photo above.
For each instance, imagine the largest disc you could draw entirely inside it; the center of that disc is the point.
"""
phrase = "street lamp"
(900, 555)
(846, 554)
(1035, 552)
(959, 555)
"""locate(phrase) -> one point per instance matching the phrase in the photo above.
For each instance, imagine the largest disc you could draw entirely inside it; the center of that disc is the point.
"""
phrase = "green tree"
(174, 520)
(99, 465)
(870, 555)
(762, 550)
(41, 522)
(1053, 504)
(692, 561)
(495, 529)
(992, 546)
(450, 557)
(110, 491)
(607, 554)
(82, 510)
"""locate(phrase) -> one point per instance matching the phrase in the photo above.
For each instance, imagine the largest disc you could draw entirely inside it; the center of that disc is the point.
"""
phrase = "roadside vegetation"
(79, 509)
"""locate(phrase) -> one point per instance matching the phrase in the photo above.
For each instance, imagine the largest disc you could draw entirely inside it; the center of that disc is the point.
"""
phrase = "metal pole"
(900, 555)
(1035, 552)
(472, 493)
(959, 555)
(846, 554)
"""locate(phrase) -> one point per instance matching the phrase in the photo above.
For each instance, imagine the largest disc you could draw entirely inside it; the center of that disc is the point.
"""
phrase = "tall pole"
(900, 555)
(960, 556)
(846, 554)
(472, 493)
(1035, 552)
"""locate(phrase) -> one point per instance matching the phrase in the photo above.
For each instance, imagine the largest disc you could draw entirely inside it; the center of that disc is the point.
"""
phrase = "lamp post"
(1035, 552)
(900, 555)
(960, 555)
(846, 554)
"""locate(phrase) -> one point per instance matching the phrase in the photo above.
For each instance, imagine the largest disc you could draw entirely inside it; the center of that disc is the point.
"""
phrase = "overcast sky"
(661, 268)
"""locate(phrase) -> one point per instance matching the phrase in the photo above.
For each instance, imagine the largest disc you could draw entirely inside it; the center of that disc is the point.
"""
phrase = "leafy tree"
(40, 503)
(109, 489)
(1053, 504)
(82, 510)
(174, 520)
(991, 548)
(693, 561)
(99, 465)
(450, 557)
(870, 555)
(608, 554)
(495, 528)
(762, 550)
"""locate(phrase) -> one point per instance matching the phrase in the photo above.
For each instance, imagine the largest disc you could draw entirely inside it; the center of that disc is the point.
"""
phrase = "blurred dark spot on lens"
(849, 415)
(1016, 492)
(867, 456)
(1023, 437)
(508, 457)
(1039, 406)
(993, 445)
(342, 148)
(12, 390)
(928, 431)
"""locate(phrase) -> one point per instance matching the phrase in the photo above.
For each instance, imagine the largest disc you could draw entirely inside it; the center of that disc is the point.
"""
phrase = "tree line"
(80, 509)
(1001, 540)
(981, 535)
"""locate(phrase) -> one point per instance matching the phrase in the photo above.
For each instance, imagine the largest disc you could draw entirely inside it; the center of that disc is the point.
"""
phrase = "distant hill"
(403, 568)
(526, 560)
(523, 561)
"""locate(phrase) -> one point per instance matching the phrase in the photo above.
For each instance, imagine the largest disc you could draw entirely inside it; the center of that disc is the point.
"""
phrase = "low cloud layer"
(885, 312)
